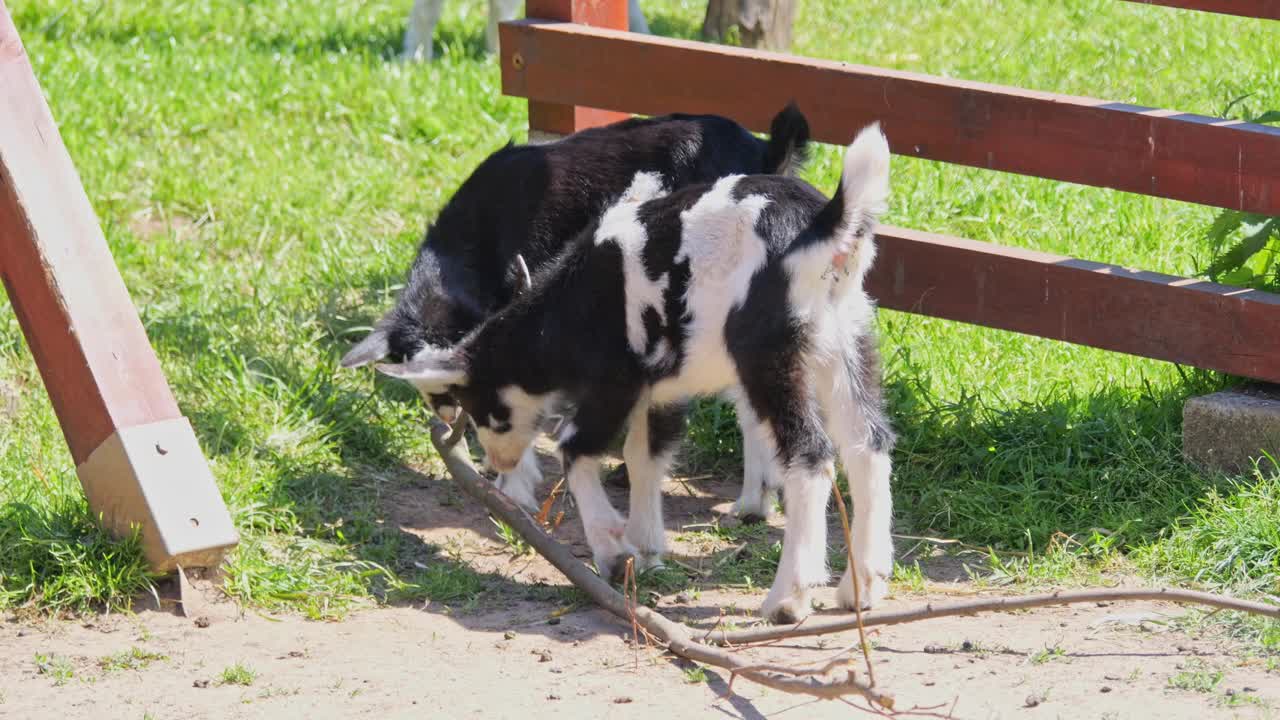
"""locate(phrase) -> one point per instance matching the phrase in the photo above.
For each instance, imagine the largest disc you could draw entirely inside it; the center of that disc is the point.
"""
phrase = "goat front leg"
(604, 527)
(521, 484)
(652, 438)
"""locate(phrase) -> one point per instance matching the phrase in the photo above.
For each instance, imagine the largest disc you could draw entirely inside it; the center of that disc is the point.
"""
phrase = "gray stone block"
(1227, 430)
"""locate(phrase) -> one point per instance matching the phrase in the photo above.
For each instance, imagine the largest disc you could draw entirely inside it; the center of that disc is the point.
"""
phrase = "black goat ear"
(526, 280)
(371, 349)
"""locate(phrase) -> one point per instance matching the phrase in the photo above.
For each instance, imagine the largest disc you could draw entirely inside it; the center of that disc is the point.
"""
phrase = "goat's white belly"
(707, 370)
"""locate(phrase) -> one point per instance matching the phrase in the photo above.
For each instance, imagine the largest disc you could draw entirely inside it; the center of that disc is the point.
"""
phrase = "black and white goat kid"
(752, 284)
(526, 203)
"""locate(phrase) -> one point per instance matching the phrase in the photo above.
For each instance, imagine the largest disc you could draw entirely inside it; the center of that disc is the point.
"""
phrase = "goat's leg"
(759, 483)
(604, 527)
(635, 18)
(806, 462)
(421, 29)
(849, 390)
(654, 433)
(499, 10)
(521, 484)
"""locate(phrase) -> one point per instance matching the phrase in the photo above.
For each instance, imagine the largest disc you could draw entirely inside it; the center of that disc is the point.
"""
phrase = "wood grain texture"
(1192, 322)
(1245, 8)
(83, 330)
(566, 118)
(1082, 140)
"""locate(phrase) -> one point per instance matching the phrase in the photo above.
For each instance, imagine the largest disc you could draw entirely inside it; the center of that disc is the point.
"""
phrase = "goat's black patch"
(666, 427)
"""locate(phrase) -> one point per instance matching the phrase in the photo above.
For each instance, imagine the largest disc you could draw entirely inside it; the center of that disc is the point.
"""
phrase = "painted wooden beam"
(561, 118)
(1268, 9)
(1182, 320)
(136, 455)
(1081, 140)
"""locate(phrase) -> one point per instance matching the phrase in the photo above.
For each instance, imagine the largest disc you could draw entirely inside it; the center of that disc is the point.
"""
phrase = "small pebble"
(543, 655)
(1032, 701)
(682, 599)
(621, 700)
(554, 621)
(556, 670)
(202, 621)
(967, 646)
(553, 697)
(1104, 689)
(1250, 689)
(934, 649)
(1111, 677)
(200, 684)
(509, 635)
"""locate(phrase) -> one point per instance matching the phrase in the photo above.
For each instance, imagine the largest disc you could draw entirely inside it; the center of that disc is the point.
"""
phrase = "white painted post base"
(155, 477)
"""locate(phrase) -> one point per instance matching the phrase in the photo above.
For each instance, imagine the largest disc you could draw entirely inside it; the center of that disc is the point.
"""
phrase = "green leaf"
(1226, 223)
(1269, 116)
(1235, 258)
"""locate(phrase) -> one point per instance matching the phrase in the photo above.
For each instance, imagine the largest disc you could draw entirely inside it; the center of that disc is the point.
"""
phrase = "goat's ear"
(432, 370)
(522, 269)
(371, 349)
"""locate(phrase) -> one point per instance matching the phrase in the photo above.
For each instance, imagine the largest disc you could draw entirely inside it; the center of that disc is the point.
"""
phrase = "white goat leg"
(645, 529)
(804, 546)
(499, 10)
(604, 527)
(868, 476)
(521, 484)
(759, 495)
(421, 29)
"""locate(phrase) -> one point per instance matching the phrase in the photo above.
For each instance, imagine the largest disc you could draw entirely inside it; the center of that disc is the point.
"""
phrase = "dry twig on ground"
(679, 640)
(675, 636)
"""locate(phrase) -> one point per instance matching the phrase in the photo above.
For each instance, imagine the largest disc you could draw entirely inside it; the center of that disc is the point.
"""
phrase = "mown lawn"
(263, 172)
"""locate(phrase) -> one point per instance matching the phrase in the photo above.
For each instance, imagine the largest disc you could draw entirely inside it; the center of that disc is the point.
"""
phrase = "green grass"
(132, 659)
(238, 674)
(263, 171)
(56, 667)
(1196, 677)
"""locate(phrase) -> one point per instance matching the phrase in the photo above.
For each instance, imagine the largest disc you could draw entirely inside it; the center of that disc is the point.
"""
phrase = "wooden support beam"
(1269, 9)
(1154, 152)
(562, 118)
(1192, 322)
(136, 455)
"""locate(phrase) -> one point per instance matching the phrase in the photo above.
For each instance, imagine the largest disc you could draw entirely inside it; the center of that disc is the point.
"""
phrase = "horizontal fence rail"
(1269, 9)
(1182, 156)
(1193, 322)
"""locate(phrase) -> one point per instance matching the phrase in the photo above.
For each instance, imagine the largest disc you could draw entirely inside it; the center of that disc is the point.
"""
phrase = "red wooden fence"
(562, 66)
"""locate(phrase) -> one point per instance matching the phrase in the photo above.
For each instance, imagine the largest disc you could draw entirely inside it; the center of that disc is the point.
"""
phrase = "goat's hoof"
(872, 592)
(787, 612)
(616, 568)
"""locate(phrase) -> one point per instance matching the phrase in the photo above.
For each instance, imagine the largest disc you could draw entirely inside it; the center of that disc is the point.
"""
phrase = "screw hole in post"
(517, 61)
(195, 522)
(161, 450)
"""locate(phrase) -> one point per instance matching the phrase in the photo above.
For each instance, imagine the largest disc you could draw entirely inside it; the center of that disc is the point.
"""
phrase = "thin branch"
(674, 636)
(853, 575)
(822, 626)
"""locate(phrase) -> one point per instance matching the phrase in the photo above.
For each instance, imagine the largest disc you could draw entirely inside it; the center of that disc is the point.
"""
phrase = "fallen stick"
(822, 626)
(677, 637)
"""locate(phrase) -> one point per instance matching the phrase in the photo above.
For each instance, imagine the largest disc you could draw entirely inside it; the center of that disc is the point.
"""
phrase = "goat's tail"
(788, 148)
(844, 229)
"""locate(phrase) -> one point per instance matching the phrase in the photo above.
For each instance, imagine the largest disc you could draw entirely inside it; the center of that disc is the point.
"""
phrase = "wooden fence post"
(556, 119)
(136, 455)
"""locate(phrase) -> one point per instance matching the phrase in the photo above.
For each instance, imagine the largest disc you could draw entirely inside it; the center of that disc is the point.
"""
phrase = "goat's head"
(506, 418)
(401, 334)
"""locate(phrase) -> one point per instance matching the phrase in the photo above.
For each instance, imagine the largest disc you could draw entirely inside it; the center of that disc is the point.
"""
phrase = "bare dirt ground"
(510, 657)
